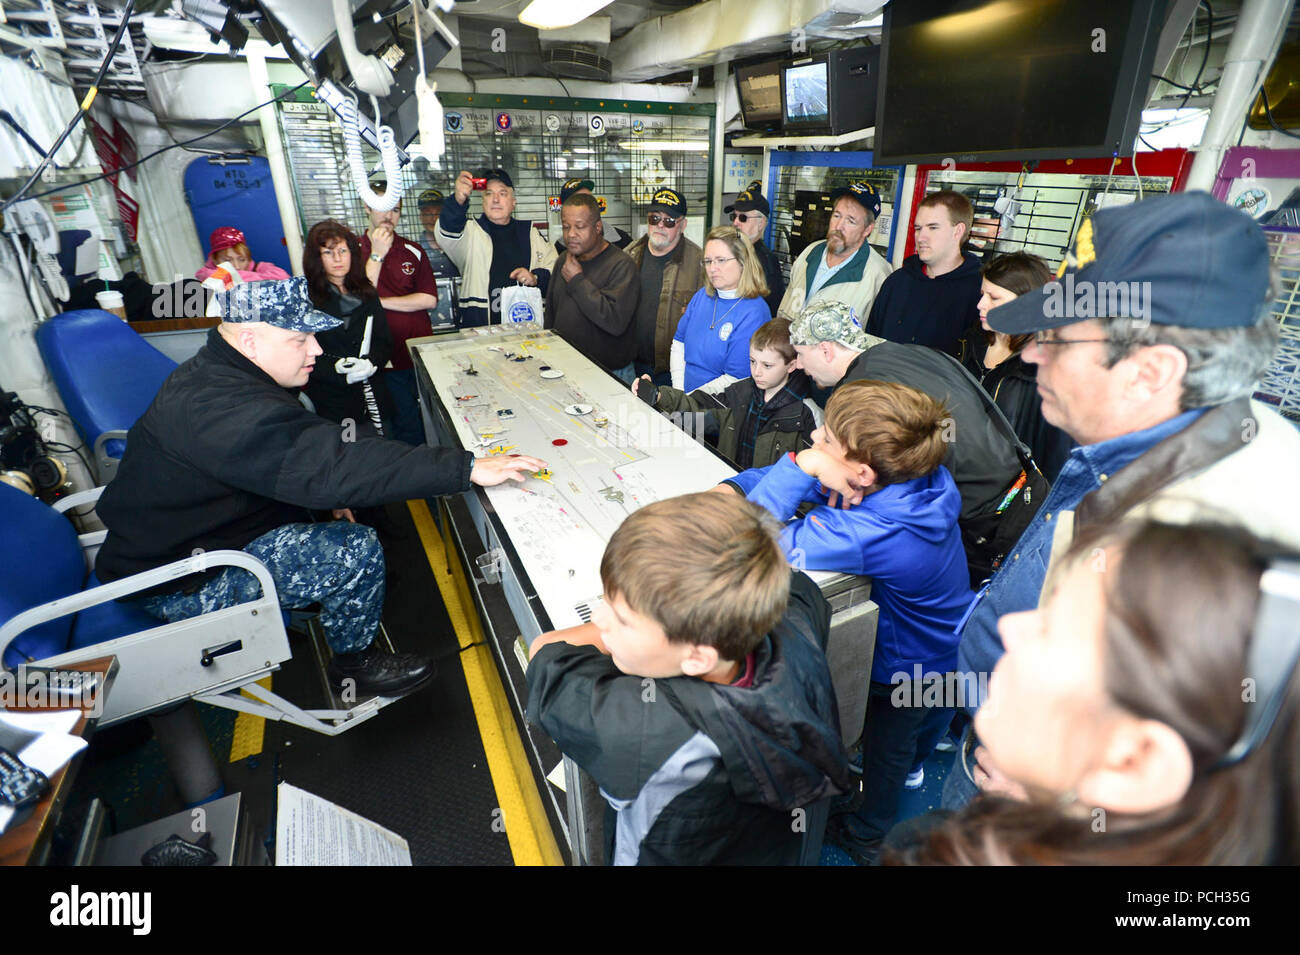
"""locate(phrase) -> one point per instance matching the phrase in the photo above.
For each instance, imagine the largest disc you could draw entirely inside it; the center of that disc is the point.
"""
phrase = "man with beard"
(844, 268)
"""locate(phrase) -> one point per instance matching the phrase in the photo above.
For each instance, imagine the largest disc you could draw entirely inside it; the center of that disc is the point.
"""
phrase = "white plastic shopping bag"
(521, 303)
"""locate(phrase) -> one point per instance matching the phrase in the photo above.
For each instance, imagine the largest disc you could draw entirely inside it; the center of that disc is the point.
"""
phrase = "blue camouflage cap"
(284, 304)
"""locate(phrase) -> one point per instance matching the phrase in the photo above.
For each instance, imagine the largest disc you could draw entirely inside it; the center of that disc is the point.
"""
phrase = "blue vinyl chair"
(106, 374)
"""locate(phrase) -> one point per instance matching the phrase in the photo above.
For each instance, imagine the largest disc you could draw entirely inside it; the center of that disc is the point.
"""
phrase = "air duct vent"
(576, 61)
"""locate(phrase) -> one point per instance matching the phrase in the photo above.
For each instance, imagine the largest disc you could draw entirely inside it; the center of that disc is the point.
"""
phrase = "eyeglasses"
(658, 218)
(1042, 339)
(742, 217)
(709, 263)
(337, 251)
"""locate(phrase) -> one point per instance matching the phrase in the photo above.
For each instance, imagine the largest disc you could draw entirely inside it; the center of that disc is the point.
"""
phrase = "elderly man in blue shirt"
(1149, 346)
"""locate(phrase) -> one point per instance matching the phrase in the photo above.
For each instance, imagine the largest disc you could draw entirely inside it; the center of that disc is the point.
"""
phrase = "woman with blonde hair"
(711, 347)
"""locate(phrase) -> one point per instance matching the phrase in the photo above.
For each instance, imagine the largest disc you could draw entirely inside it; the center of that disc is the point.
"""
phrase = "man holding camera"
(494, 250)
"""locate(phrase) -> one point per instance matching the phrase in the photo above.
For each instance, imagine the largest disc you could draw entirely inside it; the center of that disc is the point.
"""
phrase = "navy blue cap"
(864, 192)
(1187, 260)
(500, 175)
(430, 197)
(284, 304)
(750, 200)
(670, 200)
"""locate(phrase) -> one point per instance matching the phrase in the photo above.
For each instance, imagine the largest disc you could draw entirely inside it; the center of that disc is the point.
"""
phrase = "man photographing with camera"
(493, 251)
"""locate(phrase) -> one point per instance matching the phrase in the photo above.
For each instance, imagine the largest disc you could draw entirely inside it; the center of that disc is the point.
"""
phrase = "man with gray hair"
(1156, 393)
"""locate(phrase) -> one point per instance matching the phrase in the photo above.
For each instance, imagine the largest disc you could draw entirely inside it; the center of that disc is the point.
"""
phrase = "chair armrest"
(79, 499)
(136, 583)
(115, 435)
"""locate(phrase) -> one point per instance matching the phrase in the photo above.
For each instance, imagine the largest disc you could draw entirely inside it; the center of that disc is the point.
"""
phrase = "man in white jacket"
(844, 267)
(493, 251)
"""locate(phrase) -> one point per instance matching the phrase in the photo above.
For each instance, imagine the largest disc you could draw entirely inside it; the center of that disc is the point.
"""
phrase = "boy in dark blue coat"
(882, 442)
(698, 697)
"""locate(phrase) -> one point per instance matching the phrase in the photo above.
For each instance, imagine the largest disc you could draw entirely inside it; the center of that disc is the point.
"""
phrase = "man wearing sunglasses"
(671, 270)
(1155, 385)
(749, 213)
(844, 268)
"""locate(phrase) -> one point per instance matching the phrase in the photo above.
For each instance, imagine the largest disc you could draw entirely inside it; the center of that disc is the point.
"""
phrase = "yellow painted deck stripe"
(527, 827)
(249, 729)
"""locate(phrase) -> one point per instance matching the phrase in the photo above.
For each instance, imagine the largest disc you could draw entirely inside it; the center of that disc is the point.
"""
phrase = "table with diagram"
(519, 389)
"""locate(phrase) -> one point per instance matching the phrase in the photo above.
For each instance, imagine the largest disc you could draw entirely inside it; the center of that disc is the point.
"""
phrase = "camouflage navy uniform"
(226, 458)
(338, 564)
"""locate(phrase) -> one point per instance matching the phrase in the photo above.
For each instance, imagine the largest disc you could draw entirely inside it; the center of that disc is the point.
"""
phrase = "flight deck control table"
(520, 389)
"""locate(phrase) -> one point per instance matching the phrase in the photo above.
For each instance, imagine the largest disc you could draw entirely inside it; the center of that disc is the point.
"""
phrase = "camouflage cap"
(284, 304)
(830, 322)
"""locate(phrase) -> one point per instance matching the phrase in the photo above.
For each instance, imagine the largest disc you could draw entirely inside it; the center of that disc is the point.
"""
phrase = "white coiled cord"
(388, 153)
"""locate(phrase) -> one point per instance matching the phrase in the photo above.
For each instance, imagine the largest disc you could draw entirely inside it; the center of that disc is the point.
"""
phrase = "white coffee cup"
(111, 301)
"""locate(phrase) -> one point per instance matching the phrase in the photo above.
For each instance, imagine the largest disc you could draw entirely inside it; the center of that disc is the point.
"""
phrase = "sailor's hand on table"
(497, 469)
(523, 277)
(343, 514)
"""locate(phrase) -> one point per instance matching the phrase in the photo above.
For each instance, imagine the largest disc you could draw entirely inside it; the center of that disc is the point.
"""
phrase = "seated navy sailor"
(227, 458)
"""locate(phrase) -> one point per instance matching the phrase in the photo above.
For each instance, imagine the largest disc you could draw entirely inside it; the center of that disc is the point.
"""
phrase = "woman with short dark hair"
(994, 359)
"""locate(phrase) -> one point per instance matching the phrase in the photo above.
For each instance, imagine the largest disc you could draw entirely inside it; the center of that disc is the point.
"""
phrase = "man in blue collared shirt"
(1153, 384)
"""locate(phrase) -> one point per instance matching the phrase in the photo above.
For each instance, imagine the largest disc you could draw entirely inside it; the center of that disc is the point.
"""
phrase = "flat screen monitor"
(760, 95)
(982, 80)
(807, 96)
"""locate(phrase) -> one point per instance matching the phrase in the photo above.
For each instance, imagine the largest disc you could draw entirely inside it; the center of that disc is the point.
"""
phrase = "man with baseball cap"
(430, 204)
(1148, 348)
(612, 233)
(671, 270)
(749, 213)
(227, 458)
(494, 250)
(844, 267)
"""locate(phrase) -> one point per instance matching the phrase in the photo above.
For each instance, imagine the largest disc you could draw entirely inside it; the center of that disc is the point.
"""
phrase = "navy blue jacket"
(915, 309)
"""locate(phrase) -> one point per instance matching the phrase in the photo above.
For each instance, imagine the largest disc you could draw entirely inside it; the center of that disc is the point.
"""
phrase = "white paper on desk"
(53, 747)
(314, 831)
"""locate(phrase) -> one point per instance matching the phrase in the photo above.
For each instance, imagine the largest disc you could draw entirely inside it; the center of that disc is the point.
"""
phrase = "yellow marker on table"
(502, 449)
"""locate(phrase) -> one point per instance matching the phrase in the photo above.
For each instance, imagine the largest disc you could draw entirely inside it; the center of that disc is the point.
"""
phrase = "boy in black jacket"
(699, 696)
(757, 421)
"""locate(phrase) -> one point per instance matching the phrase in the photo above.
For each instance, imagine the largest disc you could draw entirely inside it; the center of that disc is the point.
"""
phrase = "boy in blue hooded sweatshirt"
(899, 527)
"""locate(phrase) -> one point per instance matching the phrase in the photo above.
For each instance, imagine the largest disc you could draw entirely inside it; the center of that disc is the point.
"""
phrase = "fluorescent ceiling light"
(666, 145)
(549, 14)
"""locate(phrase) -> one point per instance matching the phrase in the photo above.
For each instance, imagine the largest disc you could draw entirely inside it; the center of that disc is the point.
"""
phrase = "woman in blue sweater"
(711, 347)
